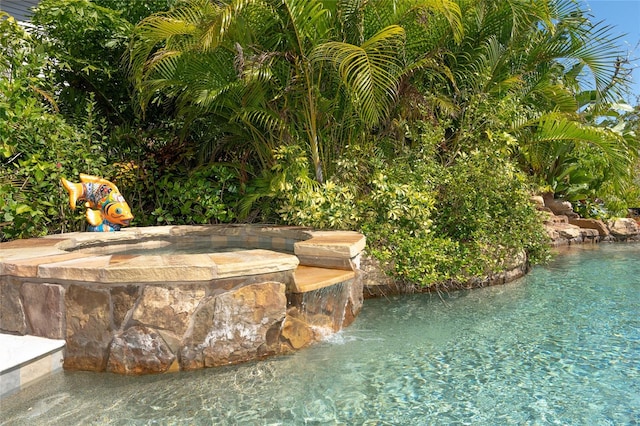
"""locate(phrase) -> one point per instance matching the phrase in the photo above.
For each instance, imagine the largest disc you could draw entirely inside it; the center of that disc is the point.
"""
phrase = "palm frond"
(370, 72)
(553, 128)
(308, 20)
(224, 15)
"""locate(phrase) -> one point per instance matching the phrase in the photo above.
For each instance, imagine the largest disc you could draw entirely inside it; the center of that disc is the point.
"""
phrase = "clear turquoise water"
(561, 346)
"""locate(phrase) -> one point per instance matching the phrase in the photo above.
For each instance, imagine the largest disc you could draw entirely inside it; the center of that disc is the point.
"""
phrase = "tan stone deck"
(78, 256)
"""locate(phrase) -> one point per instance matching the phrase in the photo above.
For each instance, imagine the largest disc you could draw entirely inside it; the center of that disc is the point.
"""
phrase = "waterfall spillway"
(326, 306)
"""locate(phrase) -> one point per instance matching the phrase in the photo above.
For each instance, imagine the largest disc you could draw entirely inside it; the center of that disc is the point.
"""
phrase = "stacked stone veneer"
(138, 314)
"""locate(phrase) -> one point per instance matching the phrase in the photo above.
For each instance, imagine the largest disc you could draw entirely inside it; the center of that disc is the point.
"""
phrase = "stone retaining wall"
(139, 314)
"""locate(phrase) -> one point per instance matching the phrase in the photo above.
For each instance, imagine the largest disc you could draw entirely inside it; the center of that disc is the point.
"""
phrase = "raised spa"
(156, 299)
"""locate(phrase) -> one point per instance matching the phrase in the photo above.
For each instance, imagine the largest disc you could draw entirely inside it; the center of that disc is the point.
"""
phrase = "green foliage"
(37, 146)
(162, 190)
(483, 203)
(404, 120)
(397, 218)
(518, 76)
(428, 223)
(45, 148)
(87, 42)
(88, 38)
(426, 261)
(302, 200)
(396, 196)
(200, 197)
(274, 72)
(480, 219)
(592, 165)
(619, 186)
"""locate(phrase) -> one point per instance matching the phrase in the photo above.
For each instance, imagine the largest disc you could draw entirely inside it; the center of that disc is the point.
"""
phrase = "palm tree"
(518, 79)
(320, 74)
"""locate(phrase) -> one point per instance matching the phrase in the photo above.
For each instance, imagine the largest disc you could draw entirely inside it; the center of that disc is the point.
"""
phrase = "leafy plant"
(38, 146)
(88, 38)
(198, 198)
(429, 224)
(483, 203)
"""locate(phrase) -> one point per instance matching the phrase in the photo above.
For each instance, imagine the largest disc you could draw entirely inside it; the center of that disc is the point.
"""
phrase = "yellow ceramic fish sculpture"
(107, 209)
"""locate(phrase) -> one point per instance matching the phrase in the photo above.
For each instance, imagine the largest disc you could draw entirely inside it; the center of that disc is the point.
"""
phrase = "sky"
(624, 15)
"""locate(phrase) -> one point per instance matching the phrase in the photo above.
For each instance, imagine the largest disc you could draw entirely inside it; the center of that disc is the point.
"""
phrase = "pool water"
(560, 346)
(158, 248)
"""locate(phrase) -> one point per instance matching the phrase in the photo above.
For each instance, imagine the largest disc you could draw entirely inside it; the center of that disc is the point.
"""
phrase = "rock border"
(564, 228)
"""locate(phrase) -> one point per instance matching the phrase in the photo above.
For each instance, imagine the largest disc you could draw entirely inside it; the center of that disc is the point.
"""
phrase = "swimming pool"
(559, 346)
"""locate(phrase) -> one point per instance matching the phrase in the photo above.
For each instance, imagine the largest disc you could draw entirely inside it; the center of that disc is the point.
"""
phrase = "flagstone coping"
(81, 256)
(309, 278)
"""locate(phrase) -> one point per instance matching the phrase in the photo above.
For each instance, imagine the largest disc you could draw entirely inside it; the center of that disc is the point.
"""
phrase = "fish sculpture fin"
(75, 190)
(85, 178)
(97, 180)
(94, 217)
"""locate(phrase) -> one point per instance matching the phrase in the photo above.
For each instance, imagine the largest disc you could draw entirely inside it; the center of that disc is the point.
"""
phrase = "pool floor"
(560, 346)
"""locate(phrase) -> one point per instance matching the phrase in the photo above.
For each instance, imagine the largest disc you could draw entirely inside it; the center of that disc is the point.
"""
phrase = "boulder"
(297, 332)
(589, 235)
(123, 299)
(168, 308)
(191, 358)
(553, 234)
(538, 201)
(559, 206)
(624, 228)
(570, 232)
(354, 301)
(236, 326)
(551, 219)
(12, 319)
(44, 308)
(598, 225)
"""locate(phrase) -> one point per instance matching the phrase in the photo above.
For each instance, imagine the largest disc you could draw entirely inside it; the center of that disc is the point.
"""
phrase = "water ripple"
(561, 346)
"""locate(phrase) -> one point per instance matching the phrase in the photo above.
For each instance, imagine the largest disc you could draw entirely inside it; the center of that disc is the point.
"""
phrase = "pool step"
(309, 278)
(25, 359)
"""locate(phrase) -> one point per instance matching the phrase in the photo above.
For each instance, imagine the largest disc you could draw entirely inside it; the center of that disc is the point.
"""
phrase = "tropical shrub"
(302, 200)
(483, 203)
(427, 223)
(41, 148)
(202, 196)
(421, 123)
(519, 76)
(37, 145)
(473, 218)
(87, 39)
(320, 75)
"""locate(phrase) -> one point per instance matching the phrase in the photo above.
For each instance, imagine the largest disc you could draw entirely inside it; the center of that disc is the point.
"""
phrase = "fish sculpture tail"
(75, 190)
